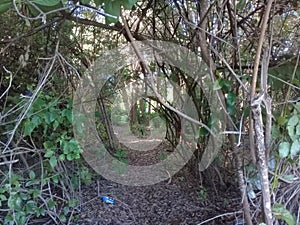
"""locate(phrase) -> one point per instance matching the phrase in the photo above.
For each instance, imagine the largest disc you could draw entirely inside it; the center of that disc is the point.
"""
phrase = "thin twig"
(216, 217)
(31, 100)
(10, 82)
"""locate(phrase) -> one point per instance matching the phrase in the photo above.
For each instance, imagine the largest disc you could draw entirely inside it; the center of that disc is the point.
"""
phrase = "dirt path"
(175, 203)
(178, 201)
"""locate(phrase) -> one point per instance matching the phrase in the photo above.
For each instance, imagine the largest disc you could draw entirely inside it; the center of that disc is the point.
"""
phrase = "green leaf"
(281, 120)
(28, 127)
(5, 5)
(72, 203)
(293, 121)
(31, 175)
(62, 218)
(53, 161)
(55, 124)
(49, 145)
(281, 213)
(3, 198)
(51, 116)
(67, 113)
(70, 157)
(291, 132)
(46, 2)
(225, 84)
(36, 120)
(51, 204)
(9, 218)
(128, 4)
(241, 4)
(275, 132)
(112, 8)
(298, 130)
(216, 85)
(295, 148)
(297, 107)
(36, 193)
(85, 2)
(231, 99)
(284, 149)
(98, 2)
(62, 157)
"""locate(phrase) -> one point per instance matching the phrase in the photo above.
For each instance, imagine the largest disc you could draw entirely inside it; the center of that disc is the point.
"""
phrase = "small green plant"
(121, 156)
(83, 176)
(30, 194)
(202, 193)
(163, 155)
(280, 212)
(290, 147)
(46, 118)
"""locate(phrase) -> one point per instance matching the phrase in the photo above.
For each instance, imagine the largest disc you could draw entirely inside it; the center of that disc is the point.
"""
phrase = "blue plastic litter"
(108, 200)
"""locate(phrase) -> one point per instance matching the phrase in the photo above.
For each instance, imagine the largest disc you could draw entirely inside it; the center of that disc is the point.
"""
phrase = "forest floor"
(179, 200)
(175, 203)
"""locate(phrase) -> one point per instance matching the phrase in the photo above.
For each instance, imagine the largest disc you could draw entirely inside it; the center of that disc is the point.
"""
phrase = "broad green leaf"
(275, 132)
(28, 127)
(31, 174)
(225, 84)
(5, 5)
(45, 6)
(55, 179)
(231, 99)
(297, 106)
(295, 148)
(281, 213)
(36, 120)
(51, 204)
(202, 132)
(70, 157)
(281, 120)
(51, 116)
(55, 124)
(9, 218)
(291, 132)
(290, 177)
(293, 121)
(48, 145)
(128, 4)
(62, 218)
(98, 2)
(67, 113)
(85, 2)
(217, 85)
(3, 198)
(284, 149)
(35, 193)
(48, 154)
(46, 2)
(112, 8)
(53, 161)
(241, 4)
(62, 157)
(298, 129)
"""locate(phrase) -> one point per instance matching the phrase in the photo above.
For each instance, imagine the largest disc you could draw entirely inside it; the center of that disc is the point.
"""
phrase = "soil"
(183, 199)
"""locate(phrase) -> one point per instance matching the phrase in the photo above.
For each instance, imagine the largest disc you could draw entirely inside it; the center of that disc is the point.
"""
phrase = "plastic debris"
(108, 200)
